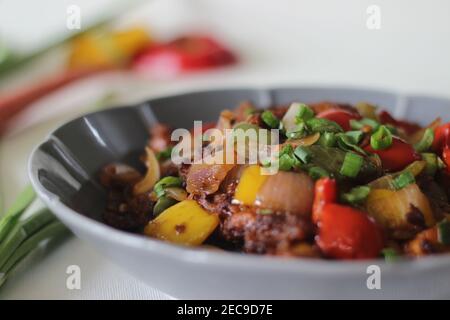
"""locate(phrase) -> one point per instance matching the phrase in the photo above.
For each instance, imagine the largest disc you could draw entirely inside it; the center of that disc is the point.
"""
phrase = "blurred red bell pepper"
(183, 54)
(386, 118)
(397, 156)
(344, 232)
(341, 117)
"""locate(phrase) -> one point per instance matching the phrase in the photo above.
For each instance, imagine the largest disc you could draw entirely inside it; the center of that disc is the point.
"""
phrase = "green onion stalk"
(15, 211)
(19, 236)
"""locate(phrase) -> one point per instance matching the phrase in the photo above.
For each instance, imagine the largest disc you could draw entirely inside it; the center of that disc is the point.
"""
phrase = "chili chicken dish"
(353, 182)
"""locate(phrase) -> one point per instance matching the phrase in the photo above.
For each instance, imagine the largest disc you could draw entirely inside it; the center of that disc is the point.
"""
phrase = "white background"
(279, 42)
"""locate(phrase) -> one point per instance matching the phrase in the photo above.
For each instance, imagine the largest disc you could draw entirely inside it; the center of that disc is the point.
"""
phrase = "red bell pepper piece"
(341, 117)
(344, 232)
(325, 192)
(386, 118)
(397, 156)
(347, 233)
(441, 137)
(183, 54)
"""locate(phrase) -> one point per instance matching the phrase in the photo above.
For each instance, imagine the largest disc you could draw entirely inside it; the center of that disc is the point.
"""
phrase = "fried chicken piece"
(276, 233)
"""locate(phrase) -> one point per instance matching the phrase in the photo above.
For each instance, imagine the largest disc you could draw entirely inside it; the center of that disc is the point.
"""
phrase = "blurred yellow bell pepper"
(106, 49)
(184, 223)
(249, 185)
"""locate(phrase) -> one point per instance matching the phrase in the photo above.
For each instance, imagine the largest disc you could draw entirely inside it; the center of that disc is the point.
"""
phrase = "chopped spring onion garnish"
(266, 163)
(427, 140)
(444, 232)
(404, 179)
(165, 154)
(356, 195)
(381, 139)
(352, 165)
(432, 163)
(390, 255)
(166, 182)
(299, 131)
(303, 154)
(359, 124)
(349, 142)
(327, 139)
(356, 135)
(286, 162)
(287, 149)
(391, 128)
(162, 204)
(317, 173)
(286, 158)
(290, 120)
(269, 118)
(323, 125)
(304, 113)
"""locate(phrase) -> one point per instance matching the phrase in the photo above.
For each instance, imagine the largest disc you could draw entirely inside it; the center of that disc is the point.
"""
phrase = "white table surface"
(280, 42)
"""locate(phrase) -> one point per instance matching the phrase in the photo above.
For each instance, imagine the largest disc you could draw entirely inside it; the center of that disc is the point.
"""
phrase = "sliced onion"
(178, 194)
(232, 177)
(416, 136)
(366, 110)
(289, 122)
(306, 141)
(287, 192)
(206, 178)
(153, 174)
(386, 181)
(391, 208)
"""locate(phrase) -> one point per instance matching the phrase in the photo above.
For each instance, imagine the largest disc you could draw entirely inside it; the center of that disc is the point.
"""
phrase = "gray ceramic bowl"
(64, 169)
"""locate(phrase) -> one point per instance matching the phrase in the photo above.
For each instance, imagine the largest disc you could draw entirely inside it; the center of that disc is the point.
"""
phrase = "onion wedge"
(153, 174)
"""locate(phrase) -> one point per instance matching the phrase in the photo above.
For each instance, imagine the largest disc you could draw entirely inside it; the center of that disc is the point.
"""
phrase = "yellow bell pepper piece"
(130, 41)
(106, 49)
(89, 50)
(185, 223)
(249, 185)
